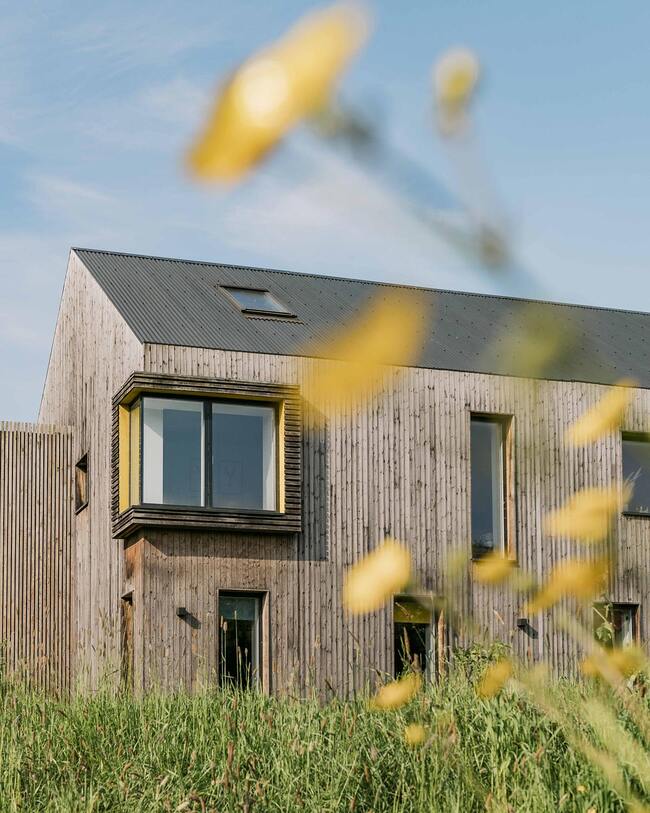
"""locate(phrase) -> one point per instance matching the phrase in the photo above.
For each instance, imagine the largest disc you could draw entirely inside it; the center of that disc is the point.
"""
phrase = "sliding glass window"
(488, 485)
(204, 453)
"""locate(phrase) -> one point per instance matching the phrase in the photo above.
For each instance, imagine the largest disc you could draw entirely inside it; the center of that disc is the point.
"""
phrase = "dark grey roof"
(167, 301)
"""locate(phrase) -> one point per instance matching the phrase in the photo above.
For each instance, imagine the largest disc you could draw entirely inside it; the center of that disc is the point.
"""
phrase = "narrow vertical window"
(81, 484)
(244, 459)
(636, 471)
(412, 640)
(126, 666)
(616, 625)
(489, 485)
(173, 469)
(240, 640)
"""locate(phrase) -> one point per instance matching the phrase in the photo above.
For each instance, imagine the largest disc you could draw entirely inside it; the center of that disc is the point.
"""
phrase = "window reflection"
(487, 484)
(636, 470)
(173, 452)
(243, 456)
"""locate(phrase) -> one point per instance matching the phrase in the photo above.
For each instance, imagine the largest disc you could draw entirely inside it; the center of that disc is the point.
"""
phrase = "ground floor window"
(412, 635)
(616, 625)
(240, 639)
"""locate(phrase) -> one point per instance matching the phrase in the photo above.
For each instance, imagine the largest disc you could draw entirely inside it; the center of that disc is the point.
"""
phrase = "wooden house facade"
(180, 514)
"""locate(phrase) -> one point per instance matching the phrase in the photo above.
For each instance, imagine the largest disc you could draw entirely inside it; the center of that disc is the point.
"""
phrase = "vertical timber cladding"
(93, 352)
(399, 467)
(36, 553)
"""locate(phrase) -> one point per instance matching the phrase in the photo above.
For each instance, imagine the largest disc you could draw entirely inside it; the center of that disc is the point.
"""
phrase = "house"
(178, 515)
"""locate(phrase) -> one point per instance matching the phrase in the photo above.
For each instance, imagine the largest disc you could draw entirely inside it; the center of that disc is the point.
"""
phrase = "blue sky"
(98, 102)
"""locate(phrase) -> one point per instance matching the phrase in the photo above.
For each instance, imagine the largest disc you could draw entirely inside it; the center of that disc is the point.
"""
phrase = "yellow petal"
(398, 693)
(580, 579)
(274, 89)
(605, 417)
(495, 678)
(626, 661)
(493, 568)
(415, 734)
(389, 331)
(377, 577)
(455, 76)
(588, 514)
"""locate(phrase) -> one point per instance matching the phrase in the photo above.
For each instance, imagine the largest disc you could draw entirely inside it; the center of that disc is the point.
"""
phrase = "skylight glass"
(252, 300)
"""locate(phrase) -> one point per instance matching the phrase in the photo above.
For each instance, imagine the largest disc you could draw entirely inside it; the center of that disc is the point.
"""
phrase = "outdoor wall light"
(181, 612)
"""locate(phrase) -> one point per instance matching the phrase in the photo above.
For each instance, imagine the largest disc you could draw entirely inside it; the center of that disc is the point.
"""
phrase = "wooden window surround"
(130, 515)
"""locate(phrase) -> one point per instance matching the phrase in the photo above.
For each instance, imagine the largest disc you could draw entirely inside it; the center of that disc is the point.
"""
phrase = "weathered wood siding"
(400, 467)
(36, 553)
(93, 353)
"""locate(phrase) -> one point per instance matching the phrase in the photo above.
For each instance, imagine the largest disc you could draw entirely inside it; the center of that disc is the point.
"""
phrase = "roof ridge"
(360, 281)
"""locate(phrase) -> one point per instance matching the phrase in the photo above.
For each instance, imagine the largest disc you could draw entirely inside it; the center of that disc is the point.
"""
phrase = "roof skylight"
(257, 301)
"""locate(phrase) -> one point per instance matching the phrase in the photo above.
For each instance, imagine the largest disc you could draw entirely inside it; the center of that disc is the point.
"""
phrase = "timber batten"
(36, 554)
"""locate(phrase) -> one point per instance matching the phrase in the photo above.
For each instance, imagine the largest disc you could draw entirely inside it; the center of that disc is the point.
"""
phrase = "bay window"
(197, 452)
(204, 453)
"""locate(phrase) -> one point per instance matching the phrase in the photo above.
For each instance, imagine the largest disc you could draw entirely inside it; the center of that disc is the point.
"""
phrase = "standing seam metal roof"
(179, 302)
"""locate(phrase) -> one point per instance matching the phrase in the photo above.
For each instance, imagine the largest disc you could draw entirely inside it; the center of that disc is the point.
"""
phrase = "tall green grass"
(226, 751)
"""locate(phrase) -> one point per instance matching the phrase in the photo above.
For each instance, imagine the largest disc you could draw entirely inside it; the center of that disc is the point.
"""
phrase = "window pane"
(239, 618)
(173, 452)
(411, 635)
(636, 468)
(623, 625)
(248, 299)
(243, 456)
(487, 486)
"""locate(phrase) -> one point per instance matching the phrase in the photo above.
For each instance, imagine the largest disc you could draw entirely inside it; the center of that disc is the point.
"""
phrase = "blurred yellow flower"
(493, 568)
(390, 330)
(415, 734)
(495, 678)
(626, 661)
(604, 417)
(274, 89)
(455, 76)
(371, 582)
(398, 693)
(588, 514)
(580, 579)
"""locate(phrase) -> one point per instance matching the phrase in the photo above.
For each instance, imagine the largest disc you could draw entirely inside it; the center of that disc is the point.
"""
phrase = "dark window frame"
(285, 313)
(507, 424)
(636, 618)
(208, 449)
(431, 649)
(635, 436)
(263, 651)
(81, 468)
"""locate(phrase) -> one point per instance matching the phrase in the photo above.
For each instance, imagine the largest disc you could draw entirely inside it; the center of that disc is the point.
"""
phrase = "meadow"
(238, 751)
